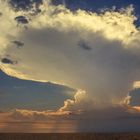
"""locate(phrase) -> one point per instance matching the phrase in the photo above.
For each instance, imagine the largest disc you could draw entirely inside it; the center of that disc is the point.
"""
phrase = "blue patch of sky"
(24, 94)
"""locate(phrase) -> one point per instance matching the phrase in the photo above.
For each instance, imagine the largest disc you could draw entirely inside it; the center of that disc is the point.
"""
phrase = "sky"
(69, 66)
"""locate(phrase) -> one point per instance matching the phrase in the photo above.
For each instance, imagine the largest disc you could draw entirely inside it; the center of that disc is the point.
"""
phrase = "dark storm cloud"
(82, 44)
(21, 20)
(8, 61)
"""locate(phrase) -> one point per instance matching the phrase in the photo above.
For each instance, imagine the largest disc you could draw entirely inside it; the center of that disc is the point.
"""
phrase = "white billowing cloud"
(98, 53)
(80, 103)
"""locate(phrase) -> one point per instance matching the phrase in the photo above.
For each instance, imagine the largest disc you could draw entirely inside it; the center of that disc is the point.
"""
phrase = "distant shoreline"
(70, 136)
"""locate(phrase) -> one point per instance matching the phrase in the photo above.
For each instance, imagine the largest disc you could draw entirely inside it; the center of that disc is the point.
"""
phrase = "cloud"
(21, 20)
(7, 61)
(112, 119)
(35, 124)
(30, 115)
(105, 72)
(81, 102)
(84, 45)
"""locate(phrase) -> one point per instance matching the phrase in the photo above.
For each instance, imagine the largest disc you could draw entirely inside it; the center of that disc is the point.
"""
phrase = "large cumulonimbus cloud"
(96, 53)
